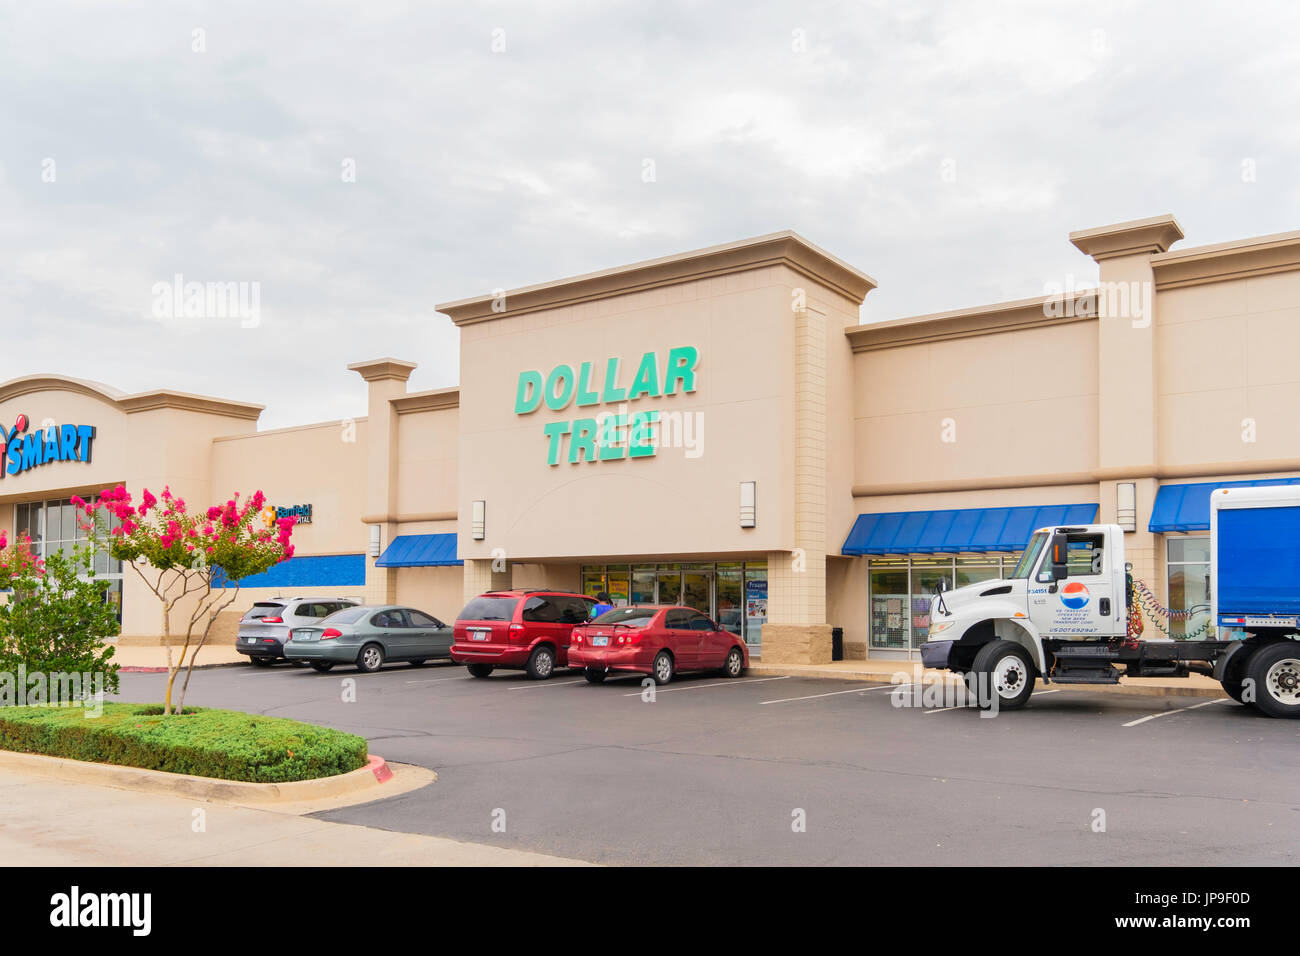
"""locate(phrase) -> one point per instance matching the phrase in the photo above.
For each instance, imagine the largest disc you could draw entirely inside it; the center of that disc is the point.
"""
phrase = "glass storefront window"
(755, 604)
(729, 600)
(53, 528)
(1188, 573)
(888, 618)
(643, 587)
(926, 577)
(975, 570)
(619, 586)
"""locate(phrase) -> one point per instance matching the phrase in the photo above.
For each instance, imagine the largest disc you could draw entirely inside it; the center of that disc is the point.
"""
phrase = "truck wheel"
(1275, 670)
(1234, 674)
(1004, 668)
(479, 670)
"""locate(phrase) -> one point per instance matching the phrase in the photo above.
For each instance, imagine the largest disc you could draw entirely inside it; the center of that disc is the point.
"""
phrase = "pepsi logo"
(1074, 596)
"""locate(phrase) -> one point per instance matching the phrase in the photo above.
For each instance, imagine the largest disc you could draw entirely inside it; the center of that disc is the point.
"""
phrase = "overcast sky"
(947, 149)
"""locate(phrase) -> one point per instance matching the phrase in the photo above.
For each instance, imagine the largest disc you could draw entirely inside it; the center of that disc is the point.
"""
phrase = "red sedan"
(659, 641)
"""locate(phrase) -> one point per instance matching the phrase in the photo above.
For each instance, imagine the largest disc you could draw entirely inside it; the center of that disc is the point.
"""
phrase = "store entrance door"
(697, 591)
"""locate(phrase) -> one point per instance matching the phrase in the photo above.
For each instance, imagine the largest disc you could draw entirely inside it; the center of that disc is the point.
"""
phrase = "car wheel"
(663, 668)
(479, 670)
(542, 663)
(594, 675)
(416, 663)
(1004, 668)
(322, 666)
(1275, 670)
(370, 659)
(734, 665)
(261, 661)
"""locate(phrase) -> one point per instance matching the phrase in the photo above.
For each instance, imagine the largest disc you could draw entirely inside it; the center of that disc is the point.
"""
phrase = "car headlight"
(940, 627)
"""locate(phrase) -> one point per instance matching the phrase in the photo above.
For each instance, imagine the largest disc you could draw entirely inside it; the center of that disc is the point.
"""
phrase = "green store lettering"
(612, 436)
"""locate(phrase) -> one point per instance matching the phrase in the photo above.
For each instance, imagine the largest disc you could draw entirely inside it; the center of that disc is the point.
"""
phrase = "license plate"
(250, 640)
(304, 637)
(479, 635)
(600, 640)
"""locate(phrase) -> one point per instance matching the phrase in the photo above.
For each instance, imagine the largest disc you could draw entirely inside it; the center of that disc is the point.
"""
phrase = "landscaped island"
(224, 744)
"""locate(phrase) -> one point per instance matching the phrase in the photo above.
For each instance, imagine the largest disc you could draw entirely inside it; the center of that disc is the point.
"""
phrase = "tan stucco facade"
(1177, 369)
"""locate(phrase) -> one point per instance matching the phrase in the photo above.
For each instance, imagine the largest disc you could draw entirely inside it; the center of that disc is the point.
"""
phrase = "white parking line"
(836, 693)
(549, 683)
(1178, 710)
(726, 683)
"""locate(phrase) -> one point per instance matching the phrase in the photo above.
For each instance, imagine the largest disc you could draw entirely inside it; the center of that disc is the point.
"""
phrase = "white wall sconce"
(479, 523)
(1126, 505)
(748, 506)
(376, 540)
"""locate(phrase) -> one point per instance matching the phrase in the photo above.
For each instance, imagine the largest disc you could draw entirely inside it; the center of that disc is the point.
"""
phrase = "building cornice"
(1207, 470)
(381, 369)
(1039, 312)
(130, 404)
(780, 248)
(1136, 237)
(1225, 261)
(431, 400)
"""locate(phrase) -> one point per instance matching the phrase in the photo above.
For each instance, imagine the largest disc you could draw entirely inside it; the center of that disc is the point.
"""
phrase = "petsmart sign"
(22, 451)
(608, 435)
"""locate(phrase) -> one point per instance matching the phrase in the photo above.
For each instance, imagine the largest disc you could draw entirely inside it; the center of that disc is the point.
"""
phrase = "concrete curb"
(1126, 686)
(364, 784)
(141, 669)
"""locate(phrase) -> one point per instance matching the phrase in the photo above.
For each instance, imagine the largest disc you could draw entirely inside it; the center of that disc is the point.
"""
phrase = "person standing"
(601, 606)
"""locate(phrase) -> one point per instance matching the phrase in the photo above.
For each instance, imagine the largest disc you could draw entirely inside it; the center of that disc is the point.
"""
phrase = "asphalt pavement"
(795, 771)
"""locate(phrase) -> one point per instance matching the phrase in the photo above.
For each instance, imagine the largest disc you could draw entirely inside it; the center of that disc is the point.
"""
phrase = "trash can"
(837, 643)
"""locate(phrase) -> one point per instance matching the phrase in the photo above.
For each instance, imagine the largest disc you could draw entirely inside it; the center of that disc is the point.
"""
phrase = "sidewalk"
(135, 659)
(882, 672)
(51, 822)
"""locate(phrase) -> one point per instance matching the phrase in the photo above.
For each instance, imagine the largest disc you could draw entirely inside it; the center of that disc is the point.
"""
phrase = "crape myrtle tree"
(188, 560)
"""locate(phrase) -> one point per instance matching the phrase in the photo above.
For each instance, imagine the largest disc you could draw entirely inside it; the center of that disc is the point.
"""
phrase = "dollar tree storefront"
(717, 428)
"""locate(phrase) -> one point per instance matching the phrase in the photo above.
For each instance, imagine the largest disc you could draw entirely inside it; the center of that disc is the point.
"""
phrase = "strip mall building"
(716, 428)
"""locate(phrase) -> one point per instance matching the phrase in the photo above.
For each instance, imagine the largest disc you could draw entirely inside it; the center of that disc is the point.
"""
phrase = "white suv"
(265, 627)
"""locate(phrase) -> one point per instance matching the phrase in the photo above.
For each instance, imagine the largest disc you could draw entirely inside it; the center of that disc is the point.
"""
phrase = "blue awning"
(420, 551)
(965, 529)
(1187, 507)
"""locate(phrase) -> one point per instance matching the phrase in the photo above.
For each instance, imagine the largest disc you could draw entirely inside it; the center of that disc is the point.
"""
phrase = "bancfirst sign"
(21, 452)
(610, 435)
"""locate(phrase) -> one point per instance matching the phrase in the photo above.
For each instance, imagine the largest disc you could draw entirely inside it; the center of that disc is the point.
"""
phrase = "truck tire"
(1234, 673)
(1005, 669)
(1275, 671)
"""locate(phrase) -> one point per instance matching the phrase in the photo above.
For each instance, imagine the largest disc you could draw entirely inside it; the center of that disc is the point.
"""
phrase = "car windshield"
(489, 609)
(1030, 556)
(348, 616)
(263, 609)
(633, 616)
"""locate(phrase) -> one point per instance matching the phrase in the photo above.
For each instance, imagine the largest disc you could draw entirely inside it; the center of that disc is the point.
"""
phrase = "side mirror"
(1059, 557)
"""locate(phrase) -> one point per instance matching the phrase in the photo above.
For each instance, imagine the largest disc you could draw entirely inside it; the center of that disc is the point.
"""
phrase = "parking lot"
(776, 770)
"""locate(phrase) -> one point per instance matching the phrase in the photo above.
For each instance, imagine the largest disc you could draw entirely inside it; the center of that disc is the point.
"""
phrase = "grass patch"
(225, 744)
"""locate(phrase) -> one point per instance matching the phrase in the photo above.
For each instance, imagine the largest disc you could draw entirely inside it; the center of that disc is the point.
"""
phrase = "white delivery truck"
(1063, 614)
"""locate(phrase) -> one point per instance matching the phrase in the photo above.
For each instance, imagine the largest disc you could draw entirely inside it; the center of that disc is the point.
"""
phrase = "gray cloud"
(478, 169)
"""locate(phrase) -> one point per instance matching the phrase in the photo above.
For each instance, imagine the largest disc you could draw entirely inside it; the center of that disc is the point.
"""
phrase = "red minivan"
(659, 641)
(521, 629)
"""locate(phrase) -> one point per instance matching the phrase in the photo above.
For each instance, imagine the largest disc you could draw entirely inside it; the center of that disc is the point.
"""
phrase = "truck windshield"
(1030, 556)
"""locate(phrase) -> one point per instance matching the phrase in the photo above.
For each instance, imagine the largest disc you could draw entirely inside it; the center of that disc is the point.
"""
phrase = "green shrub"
(225, 744)
(57, 617)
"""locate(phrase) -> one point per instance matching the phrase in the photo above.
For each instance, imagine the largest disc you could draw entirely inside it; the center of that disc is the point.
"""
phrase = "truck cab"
(1068, 586)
